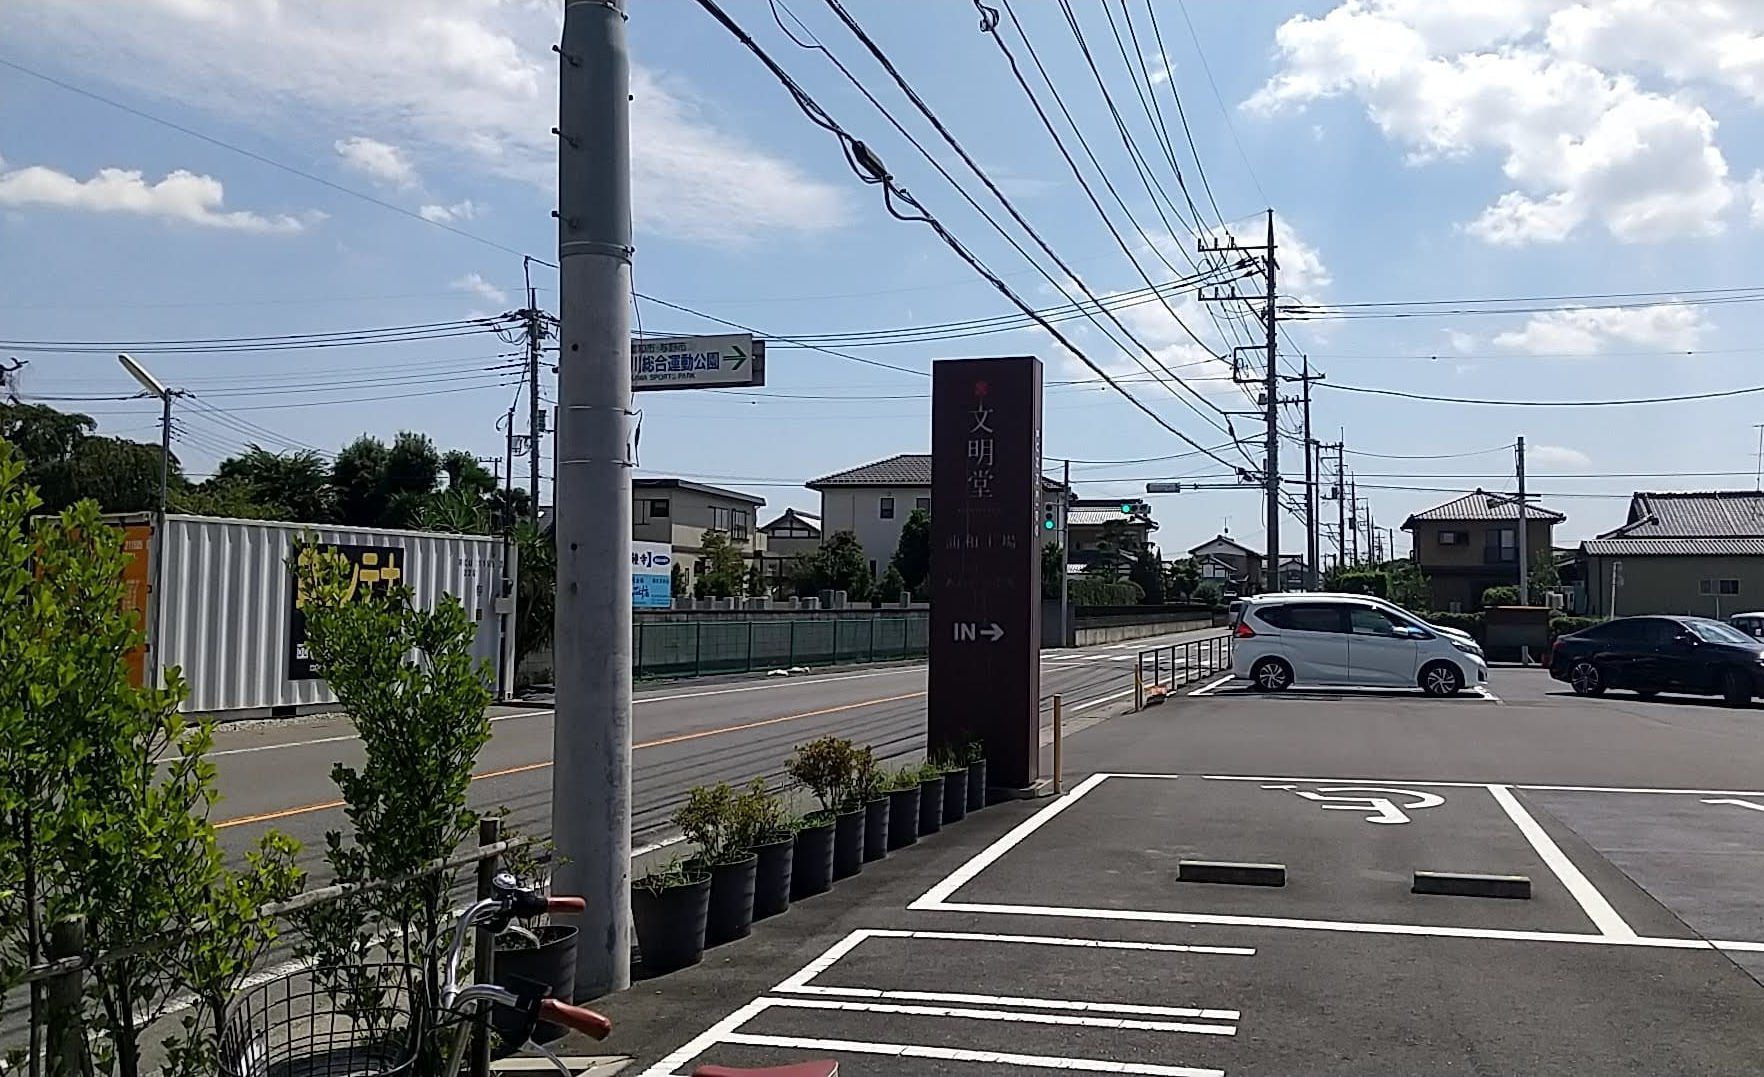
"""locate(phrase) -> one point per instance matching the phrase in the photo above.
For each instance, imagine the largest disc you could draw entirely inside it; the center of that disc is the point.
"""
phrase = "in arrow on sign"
(993, 632)
(740, 357)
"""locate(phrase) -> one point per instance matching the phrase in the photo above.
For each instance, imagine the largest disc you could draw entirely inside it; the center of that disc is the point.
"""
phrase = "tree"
(464, 472)
(678, 580)
(892, 586)
(455, 510)
(912, 554)
(1181, 578)
(1408, 587)
(380, 486)
(104, 796)
(1052, 566)
(725, 568)
(839, 565)
(1505, 594)
(1115, 551)
(295, 485)
(358, 482)
(1148, 573)
(1543, 570)
(1207, 593)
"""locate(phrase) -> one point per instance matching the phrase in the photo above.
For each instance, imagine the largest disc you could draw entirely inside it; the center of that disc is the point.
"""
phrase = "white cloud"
(483, 289)
(447, 214)
(1556, 458)
(1592, 330)
(1755, 199)
(470, 83)
(181, 196)
(378, 160)
(1549, 86)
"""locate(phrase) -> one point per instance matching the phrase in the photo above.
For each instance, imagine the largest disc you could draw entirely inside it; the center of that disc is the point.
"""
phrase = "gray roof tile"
(1475, 506)
(1674, 547)
(1710, 514)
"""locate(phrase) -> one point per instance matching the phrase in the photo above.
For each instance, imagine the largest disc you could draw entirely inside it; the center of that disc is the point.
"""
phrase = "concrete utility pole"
(1524, 550)
(1273, 421)
(591, 781)
(151, 385)
(535, 415)
(1066, 556)
(1311, 551)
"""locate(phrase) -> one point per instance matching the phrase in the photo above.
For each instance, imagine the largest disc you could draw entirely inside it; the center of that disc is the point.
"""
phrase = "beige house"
(1691, 553)
(1088, 517)
(792, 535)
(679, 512)
(874, 500)
(1230, 564)
(1470, 544)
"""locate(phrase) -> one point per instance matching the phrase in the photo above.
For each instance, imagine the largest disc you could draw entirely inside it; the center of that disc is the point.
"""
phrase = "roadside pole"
(1524, 550)
(1311, 544)
(1065, 557)
(591, 781)
(1272, 465)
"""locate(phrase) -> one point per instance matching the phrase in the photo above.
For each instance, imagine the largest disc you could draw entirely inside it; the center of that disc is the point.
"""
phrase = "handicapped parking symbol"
(1380, 802)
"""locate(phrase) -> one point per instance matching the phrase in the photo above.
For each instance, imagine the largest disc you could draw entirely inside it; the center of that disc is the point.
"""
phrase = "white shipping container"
(229, 619)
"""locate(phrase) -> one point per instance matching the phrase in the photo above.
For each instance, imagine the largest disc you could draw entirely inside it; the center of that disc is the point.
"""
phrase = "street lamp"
(153, 388)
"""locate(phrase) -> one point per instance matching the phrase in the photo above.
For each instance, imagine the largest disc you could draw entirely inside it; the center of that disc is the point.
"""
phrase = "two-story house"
(1230, 564)
(1088, 520)
(873, 501)
(793, 534)
(1470, 544)
(1699, 553)
(679, 512)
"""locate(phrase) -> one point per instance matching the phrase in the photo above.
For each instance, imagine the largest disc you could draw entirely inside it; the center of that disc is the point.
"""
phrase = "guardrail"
(693, 648)
(1176, 665)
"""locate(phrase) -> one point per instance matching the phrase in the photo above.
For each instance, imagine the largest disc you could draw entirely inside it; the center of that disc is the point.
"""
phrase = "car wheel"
(1736, 688)
(1441, 679)
(1271, 675)
(1586, 680)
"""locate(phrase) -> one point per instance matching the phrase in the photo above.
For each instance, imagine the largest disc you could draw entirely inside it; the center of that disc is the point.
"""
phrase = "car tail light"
(1244, 631)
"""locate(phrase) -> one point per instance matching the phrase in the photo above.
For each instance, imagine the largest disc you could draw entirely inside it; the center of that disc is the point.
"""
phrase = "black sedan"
(1649, 655)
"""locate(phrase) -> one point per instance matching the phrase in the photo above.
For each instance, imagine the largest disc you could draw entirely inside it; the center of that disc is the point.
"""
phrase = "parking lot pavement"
(1058, 936)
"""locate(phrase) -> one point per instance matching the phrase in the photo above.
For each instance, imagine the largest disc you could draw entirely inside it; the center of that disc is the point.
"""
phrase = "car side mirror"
(1689, 639)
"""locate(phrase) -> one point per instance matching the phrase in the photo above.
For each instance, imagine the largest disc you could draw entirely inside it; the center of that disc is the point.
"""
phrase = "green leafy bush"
(1090, 591)
(1562, 624)
(1505, 594)
(828, 767)
(707, 819)
(758, 816)
(1466, 622)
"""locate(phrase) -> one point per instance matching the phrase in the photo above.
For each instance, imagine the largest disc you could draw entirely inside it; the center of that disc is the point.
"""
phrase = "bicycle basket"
(364, 1021)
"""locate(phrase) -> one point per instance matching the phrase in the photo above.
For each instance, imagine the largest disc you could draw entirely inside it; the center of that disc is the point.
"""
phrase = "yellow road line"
(679, 738)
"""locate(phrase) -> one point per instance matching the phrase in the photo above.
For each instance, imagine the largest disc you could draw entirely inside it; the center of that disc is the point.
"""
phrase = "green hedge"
(1082, 591)
(1464, 622)
(1562, 624)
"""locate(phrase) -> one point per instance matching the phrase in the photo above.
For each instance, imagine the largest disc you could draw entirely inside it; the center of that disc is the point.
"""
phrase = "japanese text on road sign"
(701, 362)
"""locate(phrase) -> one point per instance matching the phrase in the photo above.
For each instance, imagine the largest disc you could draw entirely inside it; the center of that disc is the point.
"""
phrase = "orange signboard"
(137, 546)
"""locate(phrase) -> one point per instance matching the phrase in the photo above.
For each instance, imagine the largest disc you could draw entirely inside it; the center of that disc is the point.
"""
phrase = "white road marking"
(955, 1054)
(1208, 689)
(1099, 700)
(1383, 808)
(1018, 1000)
(1737, 803)
(656, 846)
(717, 1033)
(984, 858)
(1353, 927)
(1018, 1016)
(1593, 903)
(1468, 785)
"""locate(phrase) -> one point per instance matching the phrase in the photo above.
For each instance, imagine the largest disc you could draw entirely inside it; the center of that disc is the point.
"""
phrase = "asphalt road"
(1057, 936)
(686, 733)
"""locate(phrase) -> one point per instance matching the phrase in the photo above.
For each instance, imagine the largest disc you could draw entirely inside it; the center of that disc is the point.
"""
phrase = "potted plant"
(930, 800)
(762, 825)
(903, 807)
(707, 819)
(955, 786)
(869, 784)
(517, 961)
(976, 757)
(828, 766)
(669, 907)
(811, 856)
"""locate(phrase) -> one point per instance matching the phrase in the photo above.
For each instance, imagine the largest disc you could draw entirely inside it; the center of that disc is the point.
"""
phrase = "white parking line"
(1019, 1000)
(1652, 790)
(1208, 689)
(1593, 903)
(956, 1054)
(1016, 1016)
(984, 858)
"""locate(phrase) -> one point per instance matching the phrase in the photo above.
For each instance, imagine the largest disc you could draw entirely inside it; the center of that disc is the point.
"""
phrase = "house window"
(923, 503)
(1718, 587)
(887, 505)
(730, 521)
(658, 508)
(1454, 538)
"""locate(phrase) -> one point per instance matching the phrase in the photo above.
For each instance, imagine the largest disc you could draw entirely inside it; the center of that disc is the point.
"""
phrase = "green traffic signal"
(1048, 523)
(1126, 508)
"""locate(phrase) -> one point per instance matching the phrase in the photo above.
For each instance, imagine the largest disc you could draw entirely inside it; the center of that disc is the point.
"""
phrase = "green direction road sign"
(717, 361)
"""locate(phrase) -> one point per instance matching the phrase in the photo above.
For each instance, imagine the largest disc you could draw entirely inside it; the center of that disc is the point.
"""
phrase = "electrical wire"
(1430, 456)
(1717, 395)
(1218, 98)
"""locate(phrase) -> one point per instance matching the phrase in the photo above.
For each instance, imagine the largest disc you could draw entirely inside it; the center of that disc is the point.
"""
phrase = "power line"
(871, 170)
(1340, 312)
(774, 336)
(925, 110)
(1720, 394)
(1430, 456)
(1218, 98)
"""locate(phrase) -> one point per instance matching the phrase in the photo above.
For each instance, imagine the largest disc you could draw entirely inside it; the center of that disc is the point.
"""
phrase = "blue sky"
(1413, 149)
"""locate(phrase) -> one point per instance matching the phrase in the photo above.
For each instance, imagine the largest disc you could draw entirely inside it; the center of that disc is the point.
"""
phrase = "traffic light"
(1048, 523)
(1126, 508)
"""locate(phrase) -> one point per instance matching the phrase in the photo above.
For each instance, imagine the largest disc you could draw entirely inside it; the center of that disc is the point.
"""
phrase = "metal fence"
(692, 648)
(1180, 664)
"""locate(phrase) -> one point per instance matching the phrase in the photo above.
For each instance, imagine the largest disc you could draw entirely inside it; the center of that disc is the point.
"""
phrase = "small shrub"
(707, 819)
(675, 872)
(1561, 624)
(1465, 622)
(1504, 595)
(867, 778)
(828, 767)
(757, 816)
(904, 778)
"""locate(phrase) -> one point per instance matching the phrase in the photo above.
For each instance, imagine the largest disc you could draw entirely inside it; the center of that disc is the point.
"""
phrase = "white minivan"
(1314, 639)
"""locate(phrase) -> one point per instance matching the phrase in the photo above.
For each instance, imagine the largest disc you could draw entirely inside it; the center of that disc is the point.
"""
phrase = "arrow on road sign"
(740, 357)
(993, 632)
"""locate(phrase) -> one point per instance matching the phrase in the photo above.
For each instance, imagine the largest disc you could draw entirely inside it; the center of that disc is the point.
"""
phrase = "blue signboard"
(652, 576)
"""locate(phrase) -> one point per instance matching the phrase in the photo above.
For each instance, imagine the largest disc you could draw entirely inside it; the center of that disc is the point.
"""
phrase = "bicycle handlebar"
(566, 904)
(582, 1020)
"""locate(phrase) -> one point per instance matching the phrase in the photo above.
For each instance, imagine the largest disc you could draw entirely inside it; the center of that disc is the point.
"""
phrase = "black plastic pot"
(848, 843)
(811, 866)
(930, 806)
(552, 965)
(876, 829)
(955, 795)
(670, 924)
(977, 785)
(903, 817)
(771, 883)
(731, 901)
